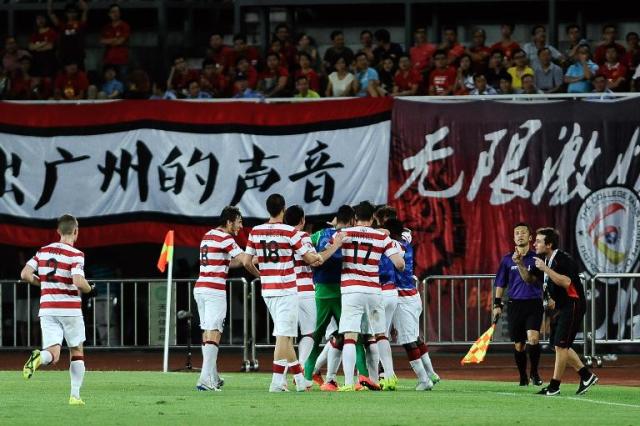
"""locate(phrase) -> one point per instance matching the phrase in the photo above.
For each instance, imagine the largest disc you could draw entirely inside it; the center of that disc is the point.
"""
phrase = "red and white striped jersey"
(362, 248)
(304, 272)
(55, 264)
(216, 251)
(275, 244)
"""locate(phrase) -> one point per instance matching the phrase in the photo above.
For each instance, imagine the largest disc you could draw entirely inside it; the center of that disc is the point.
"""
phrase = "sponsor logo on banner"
(608, 230)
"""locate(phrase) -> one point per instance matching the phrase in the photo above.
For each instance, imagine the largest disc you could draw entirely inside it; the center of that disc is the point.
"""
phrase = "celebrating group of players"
(351, 275)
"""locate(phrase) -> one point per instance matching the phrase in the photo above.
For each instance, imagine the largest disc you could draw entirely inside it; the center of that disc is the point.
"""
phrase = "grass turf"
(123, 398)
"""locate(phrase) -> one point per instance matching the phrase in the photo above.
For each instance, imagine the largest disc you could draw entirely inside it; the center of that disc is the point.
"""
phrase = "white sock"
(279, 372)
(296, 369)
(384, 347)
(418, 368)
(322, 358)
(333, 362)
(76, 371)
(209, 358)
(373, 359)
(46, 357)
(348, 361)
(426, 361)
(304, 349)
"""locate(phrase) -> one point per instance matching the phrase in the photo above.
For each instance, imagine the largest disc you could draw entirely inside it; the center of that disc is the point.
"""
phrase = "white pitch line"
(573, 398)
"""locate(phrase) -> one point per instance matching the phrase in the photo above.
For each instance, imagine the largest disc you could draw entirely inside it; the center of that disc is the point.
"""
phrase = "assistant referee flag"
(166, 255)
(479, 349)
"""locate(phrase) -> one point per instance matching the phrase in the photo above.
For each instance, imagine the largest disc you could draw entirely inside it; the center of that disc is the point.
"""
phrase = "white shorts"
(406, 319)
(212, 311)
(307, 315)
(331, 328)
(284, 313)
(54, 329)
(362, 313)
(390, 300)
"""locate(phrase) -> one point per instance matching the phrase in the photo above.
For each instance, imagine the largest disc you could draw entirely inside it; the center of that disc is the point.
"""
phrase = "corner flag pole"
(166, 257)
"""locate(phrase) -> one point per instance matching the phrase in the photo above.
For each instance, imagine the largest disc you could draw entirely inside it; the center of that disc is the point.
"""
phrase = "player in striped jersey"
(274, 244)
(294, 216)
(218, 252)
(58, 269)
(361, 292)
(406, 318)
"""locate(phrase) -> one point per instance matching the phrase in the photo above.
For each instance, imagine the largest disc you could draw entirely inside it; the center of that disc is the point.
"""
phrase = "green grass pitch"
(137, 398)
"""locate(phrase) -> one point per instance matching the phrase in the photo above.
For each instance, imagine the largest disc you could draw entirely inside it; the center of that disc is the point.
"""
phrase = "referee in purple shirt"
(524, 307)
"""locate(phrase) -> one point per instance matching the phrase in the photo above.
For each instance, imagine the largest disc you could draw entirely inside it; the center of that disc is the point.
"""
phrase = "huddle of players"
(335, 276)
(545, 275)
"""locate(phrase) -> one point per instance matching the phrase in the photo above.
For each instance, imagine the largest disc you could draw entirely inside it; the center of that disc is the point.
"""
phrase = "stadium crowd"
(52, 66)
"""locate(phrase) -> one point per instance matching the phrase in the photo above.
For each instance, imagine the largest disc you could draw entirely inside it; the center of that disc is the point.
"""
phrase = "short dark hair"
(631, 34)
(335, 33)
(517, 52)
(241, 58)
(363, 32)
(542, 49)
(551, 236)
(305, 54)
(293, 215)
(275, 204)
(395, 228)
(611, 46)
(280, 26)
(537, 27)
(479, 75)
(179, 56)
(240, 36)
(519, 224)
(67, 224)
(440, 52)
(494, 51)
(606, 26)
(506, 76)
(510, 25)
(274, 54)
(382, 35)
(361, 53)
(207, 62)
(301, 77)
(450, 28)
(218, 33)
(364, 211)
(345, 214)
(599, 76)
(527, 75)
(112, 5)
(229, 214)
(572, 26)
(385, 212)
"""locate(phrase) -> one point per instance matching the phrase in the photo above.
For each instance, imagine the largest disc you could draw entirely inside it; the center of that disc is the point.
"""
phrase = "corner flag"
(166, 255)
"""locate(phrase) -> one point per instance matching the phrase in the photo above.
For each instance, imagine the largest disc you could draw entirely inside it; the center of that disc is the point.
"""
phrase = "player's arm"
(398, 261)
(525, 274)
(559, 279)
(28, 275)
(82, 283)
(330, 249)
(246, 260)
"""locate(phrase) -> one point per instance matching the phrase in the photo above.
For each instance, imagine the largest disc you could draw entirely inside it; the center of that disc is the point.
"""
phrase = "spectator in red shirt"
(115, 38)
(25, 86)
(614, 71)
(219, 53)
(249, 73)
(506, 44)
(407, 80)
(631, 58)
(276, 47)
(273, 81)
(71, 31)
(609, 36)
(287, 47)
(307, 45)
(479, 52)
(213, 80)
(71, 83)
(366, 42)
(305, 70)
(42, 46)
(422, 51)
(385, 48)
(180, 76)
(451, 45)
(443, 78)
(11, 55)
(242, 49)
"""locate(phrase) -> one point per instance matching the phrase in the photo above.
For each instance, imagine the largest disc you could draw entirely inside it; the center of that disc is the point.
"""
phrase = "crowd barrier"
(457, 309)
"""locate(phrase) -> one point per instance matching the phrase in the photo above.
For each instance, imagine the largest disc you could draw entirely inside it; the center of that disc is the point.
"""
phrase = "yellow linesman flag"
(166, 255)
(479, 349)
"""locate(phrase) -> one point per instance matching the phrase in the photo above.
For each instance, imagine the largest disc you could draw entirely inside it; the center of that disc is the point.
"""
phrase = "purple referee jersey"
(508, 276)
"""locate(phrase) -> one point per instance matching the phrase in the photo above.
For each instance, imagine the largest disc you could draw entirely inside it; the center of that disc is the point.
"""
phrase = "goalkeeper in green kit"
(328, 306)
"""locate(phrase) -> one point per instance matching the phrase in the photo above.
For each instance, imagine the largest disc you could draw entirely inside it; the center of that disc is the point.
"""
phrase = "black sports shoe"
(548, 392)
(586, 384)
(524, 381)
(536, 380)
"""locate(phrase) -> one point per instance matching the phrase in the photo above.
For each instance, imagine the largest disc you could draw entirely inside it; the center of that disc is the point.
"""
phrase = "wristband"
(497, 302)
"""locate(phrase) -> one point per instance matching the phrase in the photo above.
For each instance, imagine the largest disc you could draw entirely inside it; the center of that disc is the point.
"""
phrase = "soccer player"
(274, 244)
(361, 292)
(58, 269)
(406, 318)
(560, 275)
(218, 252)
(525, 307)
(294, 216)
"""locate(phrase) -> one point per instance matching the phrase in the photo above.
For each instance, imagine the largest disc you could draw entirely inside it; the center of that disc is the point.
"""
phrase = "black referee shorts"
(567, 323)
(524, 314)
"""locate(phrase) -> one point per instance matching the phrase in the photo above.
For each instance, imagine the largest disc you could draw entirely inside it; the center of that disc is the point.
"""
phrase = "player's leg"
(559, 340)
(74, 334)
(371, 380)
(52, 336)
(307, 321)
(518, 332)
(324, 314)
(587, 378)
(406, 321)
(350, 324)
(533, 325)
(212, 311)
(285, 330)
(280, 363)
(377, 324)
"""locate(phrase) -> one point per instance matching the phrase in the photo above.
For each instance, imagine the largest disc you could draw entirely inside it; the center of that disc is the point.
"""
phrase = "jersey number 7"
(356, 246)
